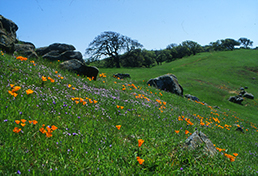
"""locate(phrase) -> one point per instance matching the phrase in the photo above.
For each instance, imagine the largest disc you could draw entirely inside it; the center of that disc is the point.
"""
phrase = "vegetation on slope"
(55, 122)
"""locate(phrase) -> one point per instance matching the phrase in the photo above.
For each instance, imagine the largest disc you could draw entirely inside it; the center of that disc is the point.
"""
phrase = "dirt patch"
(252, 69)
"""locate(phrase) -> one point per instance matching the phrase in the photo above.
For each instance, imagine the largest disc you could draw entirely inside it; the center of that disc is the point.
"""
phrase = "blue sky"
(154, 23)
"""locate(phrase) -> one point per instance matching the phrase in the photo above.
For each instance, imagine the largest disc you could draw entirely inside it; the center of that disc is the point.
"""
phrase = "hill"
(55, 122)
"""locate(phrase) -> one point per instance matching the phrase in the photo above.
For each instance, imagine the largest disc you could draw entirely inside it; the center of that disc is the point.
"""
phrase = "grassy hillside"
(212, 77)
(57, 123)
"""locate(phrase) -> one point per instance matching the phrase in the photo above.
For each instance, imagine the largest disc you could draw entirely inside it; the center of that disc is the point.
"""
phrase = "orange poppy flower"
(17, 121)
(23, 120)
(52, 80)
(34, 122)
(42, 130)
(186, 131)
(235, 154)
(62, 77)
(140, 160)
(53, 127)
(44, 78)
(49, 78)
(95, 101)
(23, 124)
(49, 134)
(16, 88)
(117, 106)
(121, 107)
(29, 91)
(30, 121)
(56, 71)
(140, 142)
(16, 130)
(11, 85)
(118, 127)
(177, 131)
(69, 85)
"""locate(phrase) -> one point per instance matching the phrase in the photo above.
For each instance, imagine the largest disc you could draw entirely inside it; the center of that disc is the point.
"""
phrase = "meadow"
(54, 122)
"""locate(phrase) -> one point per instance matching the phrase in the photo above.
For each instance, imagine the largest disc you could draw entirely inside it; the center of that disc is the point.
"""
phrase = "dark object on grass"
(121, 75)
(80, 68)
(167, 82)
(192, 97)
(236, 99)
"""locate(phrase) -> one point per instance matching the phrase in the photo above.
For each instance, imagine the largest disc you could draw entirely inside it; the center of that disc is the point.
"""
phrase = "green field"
(88, 139)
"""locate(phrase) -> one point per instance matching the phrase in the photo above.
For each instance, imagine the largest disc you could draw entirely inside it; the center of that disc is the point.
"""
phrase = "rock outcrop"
(26, 48)
(7, 34)
(198, 139)
(80, 68)
(167, 82)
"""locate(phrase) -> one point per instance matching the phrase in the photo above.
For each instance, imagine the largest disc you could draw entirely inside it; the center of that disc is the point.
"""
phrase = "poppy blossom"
(17, 121)
(139, 160)
(44, 78)
(16, 130)
(140, 142)
(23, 124)
(186, 131)
(16, 88)
(118, 127)
(34, 122)
(53, 127)
(177, 131)
(29, 91)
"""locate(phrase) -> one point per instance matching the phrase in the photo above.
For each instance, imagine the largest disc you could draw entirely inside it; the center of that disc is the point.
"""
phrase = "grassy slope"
(96, 146)
(212, 77)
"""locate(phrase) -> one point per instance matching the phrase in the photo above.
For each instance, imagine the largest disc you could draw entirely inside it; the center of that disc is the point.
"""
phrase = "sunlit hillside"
(54, 122)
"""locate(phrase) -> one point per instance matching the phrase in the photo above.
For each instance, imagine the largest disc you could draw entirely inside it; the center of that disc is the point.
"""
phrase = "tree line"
(120, 50)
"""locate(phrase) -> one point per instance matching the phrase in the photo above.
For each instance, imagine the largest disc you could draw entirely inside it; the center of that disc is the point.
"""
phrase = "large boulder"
(65, 56)
(197, 139)
(167, 82)
(26, 48)
(7, 34)
(236, 99)
(58, 47)
(80, 68)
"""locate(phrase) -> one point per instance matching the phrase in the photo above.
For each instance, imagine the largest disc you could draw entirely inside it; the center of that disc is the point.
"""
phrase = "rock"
(65, 56)
(167, 82)
(80, 68)
(122, 75)
(26, 48)
(239, 128)
(192, 97)
(60, 47)
(248, 95)
(197, 139)
(7, 34)
(236, 99)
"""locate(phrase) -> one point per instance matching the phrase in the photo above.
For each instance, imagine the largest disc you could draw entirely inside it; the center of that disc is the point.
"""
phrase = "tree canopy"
(246, 42)
(110, 44)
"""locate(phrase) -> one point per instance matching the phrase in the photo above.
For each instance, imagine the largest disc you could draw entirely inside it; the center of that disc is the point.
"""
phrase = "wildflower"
(16, 88)
(11, 85)
(95, 101)
(52, 80)
(49, 134)
(181, 168)
(23, 124)
(29, 91)
(44, 78)
(56, 71)
(53, 127)
(42, 130)
(69, 85)
(34, 122)
(140, 142)
(16, 130)
(118, 127)
(177, 131)
(17, 121)
(19, 172)
(139, 160)
(186, 131)
(235, 154)
(62, 77)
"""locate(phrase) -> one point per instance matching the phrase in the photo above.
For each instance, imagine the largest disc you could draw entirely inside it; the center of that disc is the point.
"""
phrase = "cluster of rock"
(167, 82)
(70, 59)
(239, 98)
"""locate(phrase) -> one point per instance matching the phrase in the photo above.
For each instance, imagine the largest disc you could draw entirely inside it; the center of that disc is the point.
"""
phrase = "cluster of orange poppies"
(23, 123)
(16, 88)
(102, 75)
(83, 101)
(231, 157)
(48, 131)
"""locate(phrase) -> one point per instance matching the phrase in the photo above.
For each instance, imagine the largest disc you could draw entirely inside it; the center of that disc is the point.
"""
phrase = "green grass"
(87, 140)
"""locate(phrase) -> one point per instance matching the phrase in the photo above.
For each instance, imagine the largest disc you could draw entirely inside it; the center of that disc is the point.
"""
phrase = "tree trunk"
(116, 59)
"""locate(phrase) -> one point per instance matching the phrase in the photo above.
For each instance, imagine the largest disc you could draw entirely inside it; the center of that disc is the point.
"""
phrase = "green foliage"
(87, 140)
